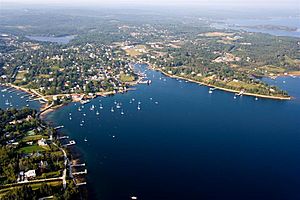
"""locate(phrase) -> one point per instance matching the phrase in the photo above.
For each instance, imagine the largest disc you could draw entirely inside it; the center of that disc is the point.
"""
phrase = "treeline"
(26, 192)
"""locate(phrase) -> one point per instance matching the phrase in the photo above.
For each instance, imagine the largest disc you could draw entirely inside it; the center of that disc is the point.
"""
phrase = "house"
(42, 142)
(30, 174)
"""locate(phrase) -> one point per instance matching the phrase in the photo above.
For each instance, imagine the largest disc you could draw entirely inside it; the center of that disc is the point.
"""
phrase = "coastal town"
(143, 64)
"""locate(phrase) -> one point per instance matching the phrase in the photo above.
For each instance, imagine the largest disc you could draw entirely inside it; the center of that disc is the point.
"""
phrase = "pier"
(72, 142)
(59, 127)
(78, 165)
(63, 137)
(80, 173)
(79, 184)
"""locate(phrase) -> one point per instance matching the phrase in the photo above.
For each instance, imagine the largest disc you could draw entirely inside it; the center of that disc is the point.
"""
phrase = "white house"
(42, 142)
(30, 174)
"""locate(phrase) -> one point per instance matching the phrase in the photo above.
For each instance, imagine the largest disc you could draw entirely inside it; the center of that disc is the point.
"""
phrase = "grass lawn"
(272, 69)
(133, 52)
(241, 84)
(21, 75)
(50, 175)
(125, 78)
(31, 132)
(33, 148)
(33, 138)
(34, 186)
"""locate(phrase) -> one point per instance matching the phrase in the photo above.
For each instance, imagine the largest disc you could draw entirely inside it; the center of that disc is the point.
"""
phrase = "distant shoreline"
(220, 88)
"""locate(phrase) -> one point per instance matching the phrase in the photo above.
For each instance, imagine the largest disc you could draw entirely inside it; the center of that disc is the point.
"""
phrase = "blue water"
(293, 22)
(59, 40)
(12, 98)
(191, 145)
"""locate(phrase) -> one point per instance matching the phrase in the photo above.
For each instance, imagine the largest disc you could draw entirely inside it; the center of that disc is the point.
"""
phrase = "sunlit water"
(185, 143)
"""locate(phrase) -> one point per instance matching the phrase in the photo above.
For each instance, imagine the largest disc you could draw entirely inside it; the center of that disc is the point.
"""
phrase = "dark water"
(292, 22)
(12, 98)
(191, 145)
(59, 40)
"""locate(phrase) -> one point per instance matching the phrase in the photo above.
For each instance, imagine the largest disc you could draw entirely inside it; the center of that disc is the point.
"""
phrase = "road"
(65, 164)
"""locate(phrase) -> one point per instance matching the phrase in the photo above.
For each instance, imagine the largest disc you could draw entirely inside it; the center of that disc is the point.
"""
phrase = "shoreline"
(46, 108)
(217, 87)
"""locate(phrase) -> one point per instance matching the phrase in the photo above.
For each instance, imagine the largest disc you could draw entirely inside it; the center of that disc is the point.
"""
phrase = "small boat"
(81, 124)
(139, 108)
(85, 139)
(112, 109)
(84, 101)
(84, 114)
(122, 113)
(70, 118)
(256, 98)
(118, 106)
(156, 102)
(97, 113)
(210, 92)
(101, 107)
(27, 105)
(151, 98)
(92, 107)
(6, 102)
(79, 109)
(133, 197)
(234, 97)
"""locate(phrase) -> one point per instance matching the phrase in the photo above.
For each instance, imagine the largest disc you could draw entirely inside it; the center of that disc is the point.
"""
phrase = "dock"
(79, 184)
(80, 173)
(63, 137)
(59, 127)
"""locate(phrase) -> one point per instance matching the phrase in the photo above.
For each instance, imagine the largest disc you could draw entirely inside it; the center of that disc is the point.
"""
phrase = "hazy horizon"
(197, 3)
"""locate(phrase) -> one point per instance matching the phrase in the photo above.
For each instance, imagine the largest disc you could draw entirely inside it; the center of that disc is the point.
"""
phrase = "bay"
(59, 40)
(185, 143)
(291, 22)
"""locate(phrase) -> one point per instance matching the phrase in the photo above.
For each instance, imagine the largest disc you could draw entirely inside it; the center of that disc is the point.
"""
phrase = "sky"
(276, 3)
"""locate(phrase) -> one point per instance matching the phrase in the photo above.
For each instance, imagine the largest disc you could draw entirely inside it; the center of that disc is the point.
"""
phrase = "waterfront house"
(42, 142)
(30, 174)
